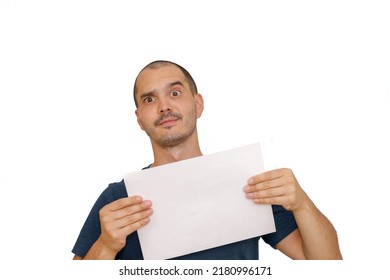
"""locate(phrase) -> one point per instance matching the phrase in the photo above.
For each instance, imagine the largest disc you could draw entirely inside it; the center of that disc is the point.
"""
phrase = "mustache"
(166, 116)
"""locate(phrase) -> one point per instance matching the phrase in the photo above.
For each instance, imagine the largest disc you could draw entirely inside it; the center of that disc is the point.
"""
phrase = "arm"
(316, 237)
(118, 219)
(319, 237)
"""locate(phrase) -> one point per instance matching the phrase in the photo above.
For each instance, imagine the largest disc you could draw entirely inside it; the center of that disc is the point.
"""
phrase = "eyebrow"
(153, 92)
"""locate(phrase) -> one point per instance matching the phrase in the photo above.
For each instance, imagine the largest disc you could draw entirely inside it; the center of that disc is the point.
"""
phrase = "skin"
(168, 112)
(315, 237)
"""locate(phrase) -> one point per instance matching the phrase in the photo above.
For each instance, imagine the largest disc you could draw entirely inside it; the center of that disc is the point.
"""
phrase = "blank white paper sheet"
(199, 203)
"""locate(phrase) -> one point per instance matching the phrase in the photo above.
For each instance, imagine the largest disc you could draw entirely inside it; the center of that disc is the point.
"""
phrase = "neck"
(186, 150)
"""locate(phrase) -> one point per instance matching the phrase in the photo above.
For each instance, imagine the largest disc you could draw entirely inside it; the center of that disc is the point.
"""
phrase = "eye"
(149, 99)
(175, 93)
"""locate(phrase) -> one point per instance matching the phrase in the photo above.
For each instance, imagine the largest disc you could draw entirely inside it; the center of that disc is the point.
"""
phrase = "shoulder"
(91, 229)
(113, 192)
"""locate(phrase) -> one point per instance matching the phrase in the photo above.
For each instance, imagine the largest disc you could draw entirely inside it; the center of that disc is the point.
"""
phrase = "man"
(168, 106)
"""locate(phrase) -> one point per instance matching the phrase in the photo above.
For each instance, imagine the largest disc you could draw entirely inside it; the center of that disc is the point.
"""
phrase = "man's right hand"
(120, 218)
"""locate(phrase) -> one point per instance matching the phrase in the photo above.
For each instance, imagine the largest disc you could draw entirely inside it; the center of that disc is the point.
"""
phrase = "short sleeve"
(284, 223)
(90, 231)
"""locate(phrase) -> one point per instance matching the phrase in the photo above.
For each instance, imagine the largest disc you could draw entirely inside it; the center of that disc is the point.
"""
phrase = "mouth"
(168, 122)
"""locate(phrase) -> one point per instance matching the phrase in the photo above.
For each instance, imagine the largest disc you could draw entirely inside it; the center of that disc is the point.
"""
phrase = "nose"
(164, 106)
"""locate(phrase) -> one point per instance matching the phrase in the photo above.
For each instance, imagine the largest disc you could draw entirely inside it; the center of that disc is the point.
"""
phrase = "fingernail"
(147, 203)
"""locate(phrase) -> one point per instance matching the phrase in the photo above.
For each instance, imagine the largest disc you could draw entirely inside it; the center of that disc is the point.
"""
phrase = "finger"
(267, 193)
(124, 202)
(134, 218)
(125, 231)
(266, 176)
(130, 210)
(275, 200)
(275, 183)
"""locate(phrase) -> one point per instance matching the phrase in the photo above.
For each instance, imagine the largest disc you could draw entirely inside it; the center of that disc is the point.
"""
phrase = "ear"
(199, 104)
(138, 120)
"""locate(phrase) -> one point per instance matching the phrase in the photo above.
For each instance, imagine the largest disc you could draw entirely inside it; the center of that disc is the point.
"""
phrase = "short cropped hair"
(160, 63)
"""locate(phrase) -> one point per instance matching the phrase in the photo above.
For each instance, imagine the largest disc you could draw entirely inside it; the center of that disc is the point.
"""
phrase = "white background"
(309, 78)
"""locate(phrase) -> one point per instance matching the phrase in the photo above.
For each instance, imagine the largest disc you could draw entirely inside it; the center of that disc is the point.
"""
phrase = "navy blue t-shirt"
(242, 250)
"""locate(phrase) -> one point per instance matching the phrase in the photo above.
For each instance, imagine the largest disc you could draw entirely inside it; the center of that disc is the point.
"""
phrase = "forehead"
(155, 79)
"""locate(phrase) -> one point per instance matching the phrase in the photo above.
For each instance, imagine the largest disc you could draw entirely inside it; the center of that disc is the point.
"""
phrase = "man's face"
(167, 109)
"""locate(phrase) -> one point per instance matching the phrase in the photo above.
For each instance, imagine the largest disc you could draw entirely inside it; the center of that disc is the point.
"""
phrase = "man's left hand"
(278, 187)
